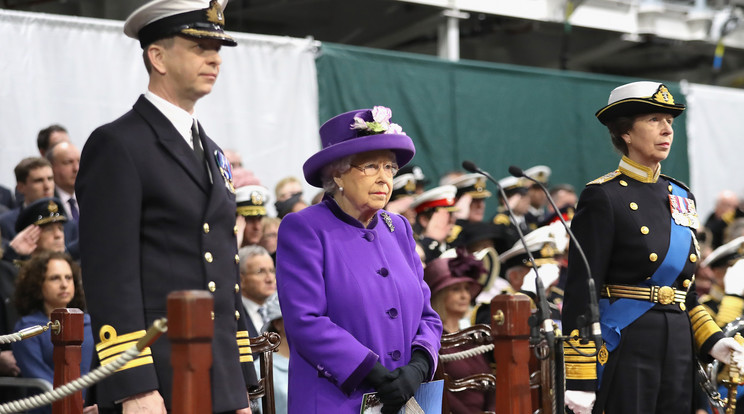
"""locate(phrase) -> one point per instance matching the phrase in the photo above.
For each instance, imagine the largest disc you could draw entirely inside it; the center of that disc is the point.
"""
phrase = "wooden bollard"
(511, 331)
(190, 331)
(67, 340)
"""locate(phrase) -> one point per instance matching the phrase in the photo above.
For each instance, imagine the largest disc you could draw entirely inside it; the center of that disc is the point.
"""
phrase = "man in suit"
(157, 214)
(257, 284)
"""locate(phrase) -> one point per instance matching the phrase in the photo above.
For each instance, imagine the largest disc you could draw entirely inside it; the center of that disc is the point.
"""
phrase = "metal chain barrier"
(158, 327)
(469, 353)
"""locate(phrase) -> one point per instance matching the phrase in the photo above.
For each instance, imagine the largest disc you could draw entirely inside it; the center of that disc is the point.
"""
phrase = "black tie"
(198, 150)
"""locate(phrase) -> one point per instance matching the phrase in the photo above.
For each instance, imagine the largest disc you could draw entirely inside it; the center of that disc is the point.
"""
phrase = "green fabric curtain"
(495, 115)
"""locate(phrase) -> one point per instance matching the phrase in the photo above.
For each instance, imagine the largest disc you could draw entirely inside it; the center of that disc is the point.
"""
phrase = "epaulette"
(502, 219)
(676, 181)
(605, 178)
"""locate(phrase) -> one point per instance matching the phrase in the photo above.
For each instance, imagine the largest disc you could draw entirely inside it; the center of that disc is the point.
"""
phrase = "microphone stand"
(588, 323)
(540, 322)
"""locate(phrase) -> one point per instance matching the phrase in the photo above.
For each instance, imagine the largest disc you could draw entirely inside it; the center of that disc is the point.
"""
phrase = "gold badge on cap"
(257, 198)
(663, 95)
(53, 207)
(214, 13)
(480, 184)
(410, 185)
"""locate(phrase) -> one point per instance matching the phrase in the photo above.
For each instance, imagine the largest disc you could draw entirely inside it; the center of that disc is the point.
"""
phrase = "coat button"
(237, 315)
(623, 183)
(653, 257)
(383, 272)
(633, 206)
(682, 306)
(211, 315)
(392, 313)
(208, 257)
(237, 259)
(206, 227)
(369, 236)
(235, 230)
(693, 258)
(686, 283)
(644, 230)
(212, 286)
(395, 355)
(670, 188)
(237, 288)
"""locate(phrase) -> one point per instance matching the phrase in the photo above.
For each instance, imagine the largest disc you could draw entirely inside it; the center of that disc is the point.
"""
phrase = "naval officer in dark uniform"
(158, 214)
(638, 230)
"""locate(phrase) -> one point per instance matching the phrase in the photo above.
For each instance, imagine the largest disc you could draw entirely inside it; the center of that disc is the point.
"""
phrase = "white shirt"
(180, 119)
(251, 308)
(65, 198)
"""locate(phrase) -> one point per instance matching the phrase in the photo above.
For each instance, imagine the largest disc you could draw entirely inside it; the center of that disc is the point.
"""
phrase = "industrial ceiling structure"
(700, 41)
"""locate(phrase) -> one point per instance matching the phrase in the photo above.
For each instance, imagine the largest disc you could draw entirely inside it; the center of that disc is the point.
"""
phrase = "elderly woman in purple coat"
(355, 305)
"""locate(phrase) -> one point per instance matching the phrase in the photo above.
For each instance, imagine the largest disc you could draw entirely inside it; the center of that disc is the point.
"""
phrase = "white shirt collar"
(180, 119)
(251, 308)
(65, 197)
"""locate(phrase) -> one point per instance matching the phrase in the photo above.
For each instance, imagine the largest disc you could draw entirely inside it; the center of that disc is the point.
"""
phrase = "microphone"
(593, 312)
(543, 310)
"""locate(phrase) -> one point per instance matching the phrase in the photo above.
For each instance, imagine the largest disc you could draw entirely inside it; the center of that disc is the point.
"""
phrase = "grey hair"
(339, 166)
(246, 252)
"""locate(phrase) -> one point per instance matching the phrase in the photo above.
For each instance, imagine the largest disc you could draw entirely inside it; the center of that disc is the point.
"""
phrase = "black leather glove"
(377, 376)
(403, 382)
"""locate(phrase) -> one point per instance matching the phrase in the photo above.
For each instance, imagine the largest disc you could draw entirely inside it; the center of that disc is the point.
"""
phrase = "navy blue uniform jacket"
(152, 223)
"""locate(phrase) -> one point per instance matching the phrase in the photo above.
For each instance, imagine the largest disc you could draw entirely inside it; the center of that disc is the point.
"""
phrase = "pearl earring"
(341, 189)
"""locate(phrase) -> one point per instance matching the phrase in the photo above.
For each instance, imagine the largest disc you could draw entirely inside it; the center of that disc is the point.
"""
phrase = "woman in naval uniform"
(637, 228)
(355, 306)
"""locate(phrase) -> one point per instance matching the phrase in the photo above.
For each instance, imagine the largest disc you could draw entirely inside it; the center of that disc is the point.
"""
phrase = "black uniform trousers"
(651, 365)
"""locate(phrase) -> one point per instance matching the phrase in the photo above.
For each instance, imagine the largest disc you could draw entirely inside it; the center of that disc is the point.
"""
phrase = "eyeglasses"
(264, 271)
(372, 169)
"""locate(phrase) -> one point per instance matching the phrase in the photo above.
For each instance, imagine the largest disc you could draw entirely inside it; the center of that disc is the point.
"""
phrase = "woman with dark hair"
(49, 280)
(355, 306)
(638, 230)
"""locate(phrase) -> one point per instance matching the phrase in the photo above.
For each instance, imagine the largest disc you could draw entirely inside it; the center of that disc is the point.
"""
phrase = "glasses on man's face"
(373, 168)
(262, 271)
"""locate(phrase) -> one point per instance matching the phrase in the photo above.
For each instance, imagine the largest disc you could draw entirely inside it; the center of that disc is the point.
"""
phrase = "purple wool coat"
(350, 296)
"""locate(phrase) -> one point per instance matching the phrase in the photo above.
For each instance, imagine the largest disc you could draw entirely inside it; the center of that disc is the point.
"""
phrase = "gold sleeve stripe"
(119, 349)
(244, 342)
(576, 359)
(137, 362)
(246, 358)
(702, 325)
(245, 350)
(731, 308)
(242, 334)
(114, 339)
(581, 371)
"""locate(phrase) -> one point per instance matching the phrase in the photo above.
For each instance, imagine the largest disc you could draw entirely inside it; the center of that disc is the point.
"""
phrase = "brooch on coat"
(683, 211)
(388, 221)
(225, 169)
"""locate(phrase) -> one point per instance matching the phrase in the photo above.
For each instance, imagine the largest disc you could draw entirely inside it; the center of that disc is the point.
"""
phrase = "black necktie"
(73, 209)
(198, 150)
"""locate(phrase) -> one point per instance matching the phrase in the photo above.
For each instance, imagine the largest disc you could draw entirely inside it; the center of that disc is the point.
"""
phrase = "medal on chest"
(225, 169)
(683, 211)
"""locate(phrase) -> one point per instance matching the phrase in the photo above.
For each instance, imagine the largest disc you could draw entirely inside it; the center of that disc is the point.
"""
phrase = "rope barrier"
(159, 327)
(469, 353)
(29, 332)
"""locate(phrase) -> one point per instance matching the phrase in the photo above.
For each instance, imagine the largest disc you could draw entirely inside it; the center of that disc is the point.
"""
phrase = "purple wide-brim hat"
(340, 140)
